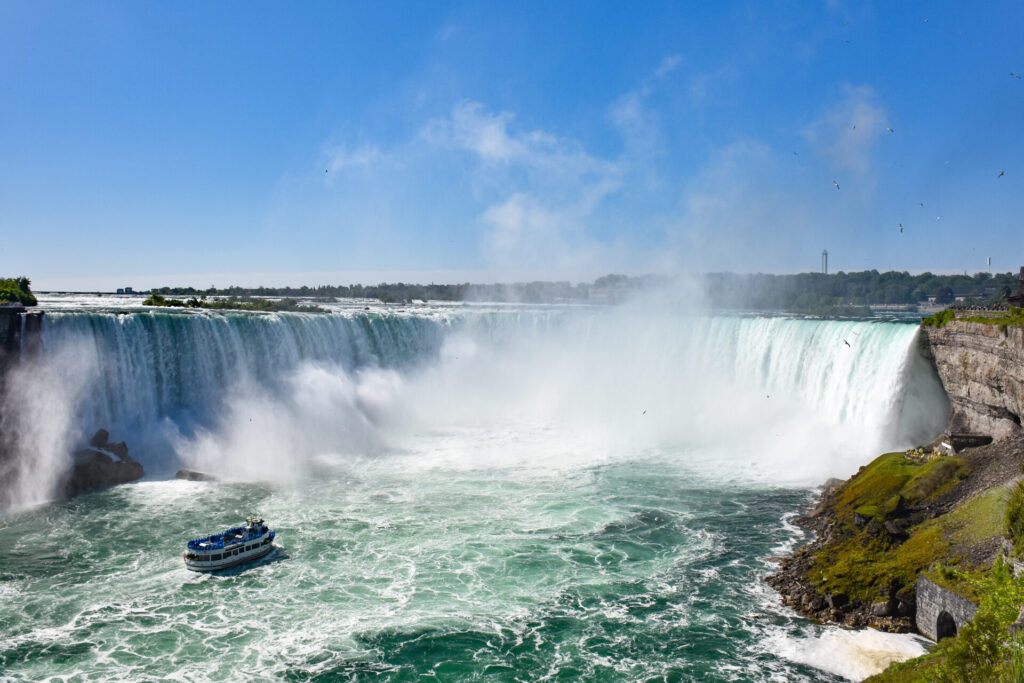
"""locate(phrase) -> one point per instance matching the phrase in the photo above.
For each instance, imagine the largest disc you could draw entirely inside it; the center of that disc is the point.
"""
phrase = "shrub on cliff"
(1015, 517)
(16, 290)
(939, 319)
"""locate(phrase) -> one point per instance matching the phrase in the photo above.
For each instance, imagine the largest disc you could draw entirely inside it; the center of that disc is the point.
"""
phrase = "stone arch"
(945, 626)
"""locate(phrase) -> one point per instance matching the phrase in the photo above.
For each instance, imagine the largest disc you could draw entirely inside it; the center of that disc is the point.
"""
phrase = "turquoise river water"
(459, 492)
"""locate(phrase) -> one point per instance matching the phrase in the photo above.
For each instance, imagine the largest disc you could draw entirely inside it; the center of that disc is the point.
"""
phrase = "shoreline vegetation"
(956, 520)
(809, 293)
(915, 513)
(236, 304)
(1011, 317)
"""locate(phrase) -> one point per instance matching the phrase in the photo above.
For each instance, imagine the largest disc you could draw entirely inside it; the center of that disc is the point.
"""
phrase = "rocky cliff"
(981, 367)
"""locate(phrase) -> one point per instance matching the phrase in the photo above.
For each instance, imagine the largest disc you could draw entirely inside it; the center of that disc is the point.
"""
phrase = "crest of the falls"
(244, 394)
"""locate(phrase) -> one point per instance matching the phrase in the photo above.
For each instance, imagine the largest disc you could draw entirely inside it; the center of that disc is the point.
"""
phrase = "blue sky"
(286, 143)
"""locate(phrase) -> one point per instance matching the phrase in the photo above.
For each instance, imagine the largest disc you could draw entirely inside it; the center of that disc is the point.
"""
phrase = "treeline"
(401, 292)
(808, 291)
(16, 290)
(802, 292)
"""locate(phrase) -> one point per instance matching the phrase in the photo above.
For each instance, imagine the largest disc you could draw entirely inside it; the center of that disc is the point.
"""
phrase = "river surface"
(459, 492)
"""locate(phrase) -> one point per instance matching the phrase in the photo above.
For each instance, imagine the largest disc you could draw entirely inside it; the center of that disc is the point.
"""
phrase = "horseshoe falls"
(463, 492)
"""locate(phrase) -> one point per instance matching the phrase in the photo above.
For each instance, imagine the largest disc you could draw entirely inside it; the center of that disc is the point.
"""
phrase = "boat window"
(215, 557)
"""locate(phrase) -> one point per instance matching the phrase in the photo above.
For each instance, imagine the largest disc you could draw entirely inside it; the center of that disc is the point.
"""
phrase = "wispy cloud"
(470, 127)
(630, 113)
(845, 134)
(737, 213)
(342, 156)
(540, 188)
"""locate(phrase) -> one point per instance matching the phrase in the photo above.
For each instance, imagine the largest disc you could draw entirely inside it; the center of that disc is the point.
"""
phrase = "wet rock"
(812, 602)
(882, 609)
(855, 620)
(192, 475)
(93, 468)
(100, 439)
(120, 450)
(837, 601)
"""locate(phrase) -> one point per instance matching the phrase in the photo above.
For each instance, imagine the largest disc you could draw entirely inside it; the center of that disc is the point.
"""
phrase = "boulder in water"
(192, 475)
(102, 465)
(100, 439)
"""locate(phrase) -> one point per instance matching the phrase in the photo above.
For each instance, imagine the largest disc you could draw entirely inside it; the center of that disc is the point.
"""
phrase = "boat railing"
(218, 542)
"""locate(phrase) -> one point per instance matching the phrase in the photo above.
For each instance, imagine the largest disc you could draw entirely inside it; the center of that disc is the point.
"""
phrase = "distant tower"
(989, 265)
(824, 261)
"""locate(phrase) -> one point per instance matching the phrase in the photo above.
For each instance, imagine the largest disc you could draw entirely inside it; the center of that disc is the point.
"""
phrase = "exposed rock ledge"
(102, 464)
(982, 370)
(193, 475)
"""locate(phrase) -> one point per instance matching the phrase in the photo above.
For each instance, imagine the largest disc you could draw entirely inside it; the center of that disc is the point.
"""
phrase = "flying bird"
(1001, 174)
(901, 227)
(889, 128)
(645, 412)
(920, 203)
(847, 343)
(836, 184)
(325, 170)
(1015, 75)
(938, 218)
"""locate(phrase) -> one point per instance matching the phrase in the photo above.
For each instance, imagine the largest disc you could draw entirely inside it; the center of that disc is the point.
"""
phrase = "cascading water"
(549, 489)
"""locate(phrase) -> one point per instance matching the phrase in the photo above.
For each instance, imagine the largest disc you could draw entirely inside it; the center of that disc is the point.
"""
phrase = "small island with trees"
(15, 290)
(235, 303)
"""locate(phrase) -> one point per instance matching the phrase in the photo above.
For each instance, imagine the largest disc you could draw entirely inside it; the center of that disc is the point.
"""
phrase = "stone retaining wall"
(939, 610)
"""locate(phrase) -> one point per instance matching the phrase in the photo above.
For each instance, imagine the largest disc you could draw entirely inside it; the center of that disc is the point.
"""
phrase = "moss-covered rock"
(887, 528)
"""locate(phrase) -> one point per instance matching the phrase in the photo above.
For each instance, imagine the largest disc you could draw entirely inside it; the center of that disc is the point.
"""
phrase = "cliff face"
(982, 370)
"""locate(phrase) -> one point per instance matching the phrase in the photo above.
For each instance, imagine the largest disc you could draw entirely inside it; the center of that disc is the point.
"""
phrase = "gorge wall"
(981, 367)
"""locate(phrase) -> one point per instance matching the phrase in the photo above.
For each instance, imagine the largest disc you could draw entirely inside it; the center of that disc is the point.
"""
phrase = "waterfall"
(276, 389)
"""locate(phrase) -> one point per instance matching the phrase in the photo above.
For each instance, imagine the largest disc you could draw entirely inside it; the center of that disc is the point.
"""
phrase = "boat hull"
(228, 562)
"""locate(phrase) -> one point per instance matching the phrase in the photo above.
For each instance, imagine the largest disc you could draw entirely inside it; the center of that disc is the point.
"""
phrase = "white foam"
(852, 654)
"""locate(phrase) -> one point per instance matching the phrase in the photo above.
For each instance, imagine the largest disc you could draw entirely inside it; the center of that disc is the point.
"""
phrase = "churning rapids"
(513, 492)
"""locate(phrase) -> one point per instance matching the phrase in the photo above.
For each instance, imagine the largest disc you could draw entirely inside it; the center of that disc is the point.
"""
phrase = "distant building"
(120, 290)
(1018, 298)
(129, 290)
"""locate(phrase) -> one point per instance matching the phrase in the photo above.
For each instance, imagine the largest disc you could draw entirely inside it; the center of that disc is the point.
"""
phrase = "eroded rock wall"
(982, 370)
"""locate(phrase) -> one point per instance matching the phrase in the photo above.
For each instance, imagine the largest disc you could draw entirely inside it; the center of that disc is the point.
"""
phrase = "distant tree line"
(802, 292)
(809, 291)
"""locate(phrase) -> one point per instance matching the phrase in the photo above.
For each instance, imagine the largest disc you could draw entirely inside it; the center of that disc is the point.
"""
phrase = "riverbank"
(928, 512)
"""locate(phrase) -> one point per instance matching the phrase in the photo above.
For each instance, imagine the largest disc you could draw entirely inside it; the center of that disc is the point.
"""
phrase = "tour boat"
(236, 545)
